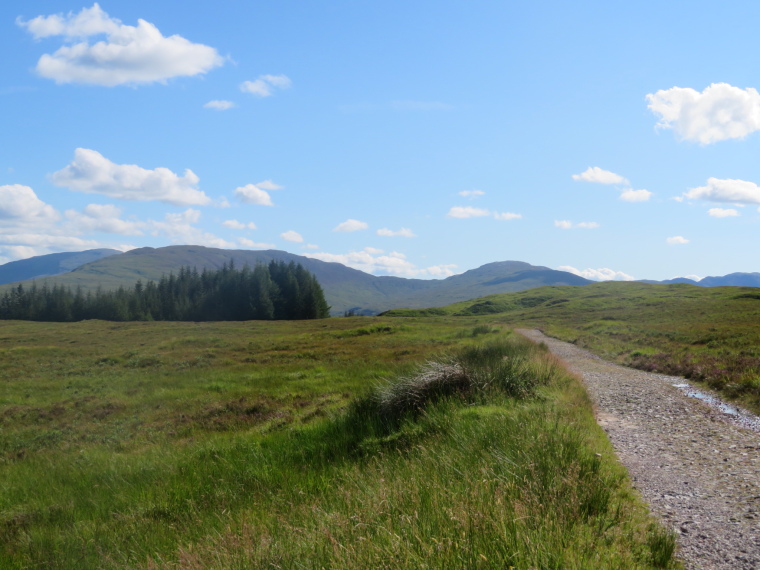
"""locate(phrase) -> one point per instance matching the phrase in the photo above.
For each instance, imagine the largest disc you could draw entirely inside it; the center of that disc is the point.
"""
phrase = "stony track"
(696, 466)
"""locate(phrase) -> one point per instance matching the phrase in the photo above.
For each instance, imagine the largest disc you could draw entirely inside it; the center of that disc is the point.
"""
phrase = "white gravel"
(697, 466)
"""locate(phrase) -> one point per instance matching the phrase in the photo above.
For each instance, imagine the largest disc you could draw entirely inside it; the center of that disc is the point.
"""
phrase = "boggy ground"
(699, 472)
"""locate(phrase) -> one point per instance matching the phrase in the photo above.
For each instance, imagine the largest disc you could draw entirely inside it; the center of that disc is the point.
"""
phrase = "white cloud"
(102, 218)
(252, 194)
(631, 195)
(676, 240)
(292, 236)
(235, 225)
(269, 185)
(20, 205)
(568, 225)
(403, 232)
(471, 193)
(602, 274)
(43, 242)
(374, 250)
(462, 212)
(728, 190)
(265, 85)
(219, 105)
(599, 176)
(92, 173)
(128, 55)
(180, 228)
(373, 261)
(720, 112)
(350, 225)
(311, 246)
(722, 212)
(255, 245)
(506, 216)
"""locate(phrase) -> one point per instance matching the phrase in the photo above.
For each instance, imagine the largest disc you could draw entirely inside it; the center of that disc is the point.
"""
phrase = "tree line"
(268, 291)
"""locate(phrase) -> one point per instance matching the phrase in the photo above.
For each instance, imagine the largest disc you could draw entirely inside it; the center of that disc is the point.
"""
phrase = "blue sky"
(418, 139)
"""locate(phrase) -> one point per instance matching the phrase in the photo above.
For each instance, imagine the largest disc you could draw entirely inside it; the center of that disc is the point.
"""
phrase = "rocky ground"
(697, 466)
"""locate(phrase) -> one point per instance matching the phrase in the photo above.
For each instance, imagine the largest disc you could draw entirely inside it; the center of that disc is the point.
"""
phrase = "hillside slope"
(51, 264)
(345, 288)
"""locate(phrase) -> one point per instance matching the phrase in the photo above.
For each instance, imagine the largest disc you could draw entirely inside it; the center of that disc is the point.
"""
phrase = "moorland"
(708, 335)
(428, 437)
(291, 444)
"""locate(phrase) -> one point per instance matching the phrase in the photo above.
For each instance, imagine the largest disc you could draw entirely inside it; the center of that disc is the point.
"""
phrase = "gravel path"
(696, 466)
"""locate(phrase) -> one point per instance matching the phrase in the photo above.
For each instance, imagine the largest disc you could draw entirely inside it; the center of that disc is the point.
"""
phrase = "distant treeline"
(274, 291)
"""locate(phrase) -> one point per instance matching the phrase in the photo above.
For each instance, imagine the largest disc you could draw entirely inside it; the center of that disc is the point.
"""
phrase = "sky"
(414, 138)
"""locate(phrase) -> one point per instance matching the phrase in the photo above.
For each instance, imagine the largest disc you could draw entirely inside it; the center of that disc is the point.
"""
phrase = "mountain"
(51, 264)
(730, 280)
(346, 289)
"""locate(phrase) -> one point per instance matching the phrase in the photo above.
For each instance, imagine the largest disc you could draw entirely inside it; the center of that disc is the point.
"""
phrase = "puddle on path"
(739, 416)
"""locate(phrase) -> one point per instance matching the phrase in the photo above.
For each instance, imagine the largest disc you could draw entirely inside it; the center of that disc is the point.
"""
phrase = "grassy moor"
(439, 442)
(708, 335)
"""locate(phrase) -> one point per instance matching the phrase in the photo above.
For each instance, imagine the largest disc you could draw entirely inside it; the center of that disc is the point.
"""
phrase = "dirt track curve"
(696, 466)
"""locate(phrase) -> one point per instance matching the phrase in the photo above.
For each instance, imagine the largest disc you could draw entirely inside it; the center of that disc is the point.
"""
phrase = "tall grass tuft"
(507, 366)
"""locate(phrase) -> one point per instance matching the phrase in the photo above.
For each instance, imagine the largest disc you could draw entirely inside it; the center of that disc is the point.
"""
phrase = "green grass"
(309, 444)
(709, 335)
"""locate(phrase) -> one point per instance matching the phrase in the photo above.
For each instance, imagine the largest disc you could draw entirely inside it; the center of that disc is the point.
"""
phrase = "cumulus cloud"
(127, 55)
(292, 236)
(20, 205)
(92, 173)
(602, 274)
(722, 212)
(350, 225)
(269, 185)
(375, 261)
(631, 195)
(180, 228)
(265, 85)
(676, 240)
(568, 225)
(104, 218)
(255, 245)
(506, 216)
(471, 193)
(254, 194)
(727, 190)
(462, 212)
(599, 176)
(219, 105)
(29, 226)
(720, 112)
(403, 232)
(235, 225)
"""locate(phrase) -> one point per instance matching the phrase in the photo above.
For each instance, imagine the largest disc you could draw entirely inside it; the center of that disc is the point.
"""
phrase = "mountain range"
(346, 289)
(730, 280)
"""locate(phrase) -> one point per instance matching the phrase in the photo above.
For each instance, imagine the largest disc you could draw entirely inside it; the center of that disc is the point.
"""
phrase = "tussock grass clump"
(507, 366)
(411, 394)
